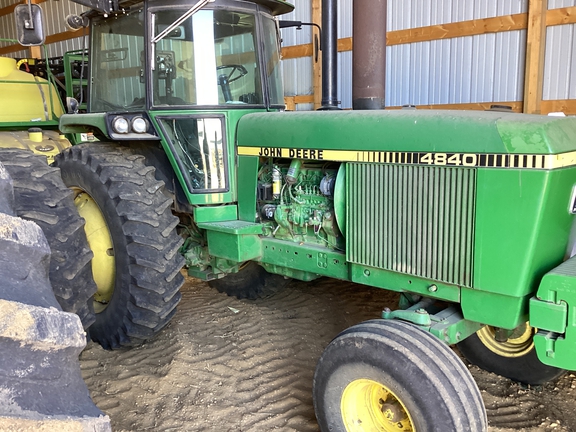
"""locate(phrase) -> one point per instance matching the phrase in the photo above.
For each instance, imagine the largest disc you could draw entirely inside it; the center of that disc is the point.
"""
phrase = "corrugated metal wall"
(55, 13)
(481, 68)
(560, 60)
(460, 70)
(297, 73)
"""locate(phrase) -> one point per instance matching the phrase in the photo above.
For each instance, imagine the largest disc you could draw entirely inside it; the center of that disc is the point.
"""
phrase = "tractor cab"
(183, 74)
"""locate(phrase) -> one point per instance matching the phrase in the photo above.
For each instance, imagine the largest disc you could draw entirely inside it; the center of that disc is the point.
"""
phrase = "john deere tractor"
(470, 215)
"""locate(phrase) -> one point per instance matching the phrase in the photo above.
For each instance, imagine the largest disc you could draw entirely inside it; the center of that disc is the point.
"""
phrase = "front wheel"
(391, 376)
(131, 230)
(513, 356)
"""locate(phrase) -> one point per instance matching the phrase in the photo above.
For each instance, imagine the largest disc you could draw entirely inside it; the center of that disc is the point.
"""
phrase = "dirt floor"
(224, 364)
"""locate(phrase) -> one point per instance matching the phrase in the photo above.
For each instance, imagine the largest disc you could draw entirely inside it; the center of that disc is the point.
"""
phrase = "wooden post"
(290, 103)
(35, 51)
(535, 49)
(317, 66)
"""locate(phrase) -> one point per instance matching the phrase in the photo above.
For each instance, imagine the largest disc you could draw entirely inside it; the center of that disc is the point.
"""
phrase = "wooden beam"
(317, 65)
(567, 106)
(67, 35)
(11, 48)
(303, 99)
(422, 34)
(297, 51)
(458, 29)
(535, 47)
(289, 102)
(344, 44)
(292, 101)
(561, 16)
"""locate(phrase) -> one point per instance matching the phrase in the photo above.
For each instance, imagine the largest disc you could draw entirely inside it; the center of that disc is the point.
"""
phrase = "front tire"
(131, 231)
(390, 376)
(515, 358)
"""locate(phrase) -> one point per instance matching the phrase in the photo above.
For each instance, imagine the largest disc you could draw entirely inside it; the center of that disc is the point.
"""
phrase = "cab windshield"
(213, 58)
(210, 59)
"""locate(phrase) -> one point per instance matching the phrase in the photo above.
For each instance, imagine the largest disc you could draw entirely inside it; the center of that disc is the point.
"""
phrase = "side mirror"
(29, 24)
(72, 105)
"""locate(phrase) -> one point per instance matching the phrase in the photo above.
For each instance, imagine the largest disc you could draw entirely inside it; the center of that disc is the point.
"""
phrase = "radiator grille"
(412, 219)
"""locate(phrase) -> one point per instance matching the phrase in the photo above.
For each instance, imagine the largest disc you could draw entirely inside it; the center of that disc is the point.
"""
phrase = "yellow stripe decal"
(480, 160)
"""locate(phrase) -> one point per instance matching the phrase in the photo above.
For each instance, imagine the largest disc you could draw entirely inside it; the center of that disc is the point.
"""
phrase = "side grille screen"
(412, 219)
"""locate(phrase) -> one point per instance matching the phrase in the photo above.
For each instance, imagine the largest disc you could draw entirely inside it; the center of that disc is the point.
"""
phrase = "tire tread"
(151, 240)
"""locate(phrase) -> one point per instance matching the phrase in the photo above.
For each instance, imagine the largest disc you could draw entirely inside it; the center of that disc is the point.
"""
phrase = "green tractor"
(470, 215)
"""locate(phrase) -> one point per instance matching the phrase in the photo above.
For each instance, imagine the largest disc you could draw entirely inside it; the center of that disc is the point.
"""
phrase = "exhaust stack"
(369, 54)
(329, 55)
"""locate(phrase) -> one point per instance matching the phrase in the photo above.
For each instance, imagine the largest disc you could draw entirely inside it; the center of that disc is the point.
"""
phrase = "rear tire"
(139, 280)
(515, 359)
(251, 282)
(390, 375)
(42, 197)
(41, 386)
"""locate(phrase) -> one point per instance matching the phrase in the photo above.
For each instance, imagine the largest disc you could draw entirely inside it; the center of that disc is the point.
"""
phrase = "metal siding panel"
(559, 60)
(443, 75)
(297, 75)
(463, 10)
(422, 72)
(482, 82)
(554, 4)
(345, 77)
(302, 12)
(471, 69)
(572, 69)
(304, 107)
(509, 54)
(399, 12)
(460, 70)
(344, 18)
(55, 13)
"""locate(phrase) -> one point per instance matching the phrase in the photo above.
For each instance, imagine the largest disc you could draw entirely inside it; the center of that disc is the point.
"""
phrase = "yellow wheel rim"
(518, 344)
(100, 242)
(370, 406)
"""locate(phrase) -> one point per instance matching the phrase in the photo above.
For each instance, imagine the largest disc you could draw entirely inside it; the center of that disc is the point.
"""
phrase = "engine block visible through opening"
(296, 200)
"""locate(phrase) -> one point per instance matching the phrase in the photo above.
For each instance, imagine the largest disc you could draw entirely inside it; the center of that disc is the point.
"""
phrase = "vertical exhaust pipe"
(329, 55)
(369, 54)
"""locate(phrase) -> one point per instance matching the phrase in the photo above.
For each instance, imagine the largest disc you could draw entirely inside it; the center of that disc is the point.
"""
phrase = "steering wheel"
(235, 67)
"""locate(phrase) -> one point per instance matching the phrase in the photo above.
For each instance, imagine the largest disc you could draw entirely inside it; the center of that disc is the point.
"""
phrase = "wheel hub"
(368, 405)
(100, 242)
(518, 343)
